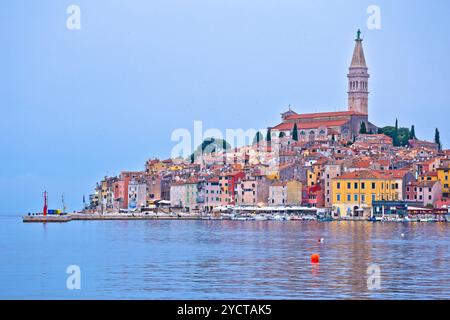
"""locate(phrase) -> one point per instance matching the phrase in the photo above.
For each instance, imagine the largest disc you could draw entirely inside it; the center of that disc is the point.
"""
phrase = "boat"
(278, 217)
(260, 217)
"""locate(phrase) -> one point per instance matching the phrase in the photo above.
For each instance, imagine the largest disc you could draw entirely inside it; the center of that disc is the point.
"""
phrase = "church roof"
(309, 125)
(323, 115)
(358, 59)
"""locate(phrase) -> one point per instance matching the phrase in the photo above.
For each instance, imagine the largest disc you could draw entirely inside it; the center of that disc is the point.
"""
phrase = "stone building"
(341, 125)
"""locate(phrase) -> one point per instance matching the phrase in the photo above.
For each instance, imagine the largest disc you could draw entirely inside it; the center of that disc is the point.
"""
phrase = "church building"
(342, 125)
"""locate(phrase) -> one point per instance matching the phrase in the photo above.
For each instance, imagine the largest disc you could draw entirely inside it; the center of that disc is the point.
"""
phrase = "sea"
(221, 259)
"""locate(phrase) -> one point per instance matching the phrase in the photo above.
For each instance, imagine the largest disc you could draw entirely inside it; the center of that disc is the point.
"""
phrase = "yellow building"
(354, 192)
(294, 192)
(311, 178)
(429, 176)
(444, 179)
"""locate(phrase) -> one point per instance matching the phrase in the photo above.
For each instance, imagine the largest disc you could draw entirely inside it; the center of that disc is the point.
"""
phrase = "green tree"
(395, 135)
(400, 136)
(269, 135)
(282, 134)
(295, 132)
(258, 138)
(412, 133)
(403, 135)
(363, 128)
(210, 145)
(437, 139)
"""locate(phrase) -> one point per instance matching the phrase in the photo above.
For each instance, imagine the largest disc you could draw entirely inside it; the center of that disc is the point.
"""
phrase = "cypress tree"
(258, 138)
(269, 135)
(437, 139)
(412, 133)
(395, 137)
(363, 128)
(295, 132)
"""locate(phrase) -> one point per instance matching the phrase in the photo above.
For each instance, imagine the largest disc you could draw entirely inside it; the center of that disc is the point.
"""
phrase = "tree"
(363, 128)
(395, 137)
(208, 146)
(412, 133)
(258, 138)
(282, 134)
(437, 139)
(269, 135)
(295, 132)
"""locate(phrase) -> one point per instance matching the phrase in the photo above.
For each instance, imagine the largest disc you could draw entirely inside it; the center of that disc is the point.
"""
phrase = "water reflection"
(227, 259)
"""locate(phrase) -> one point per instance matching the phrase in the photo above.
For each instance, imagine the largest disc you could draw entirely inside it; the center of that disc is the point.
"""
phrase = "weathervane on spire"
(358, 35)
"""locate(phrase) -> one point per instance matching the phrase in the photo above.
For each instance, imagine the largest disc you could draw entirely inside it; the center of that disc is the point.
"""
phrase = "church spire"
(358, 60)
(358, 79)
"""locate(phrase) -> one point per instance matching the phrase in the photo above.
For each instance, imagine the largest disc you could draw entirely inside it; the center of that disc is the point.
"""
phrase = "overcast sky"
(80, 104)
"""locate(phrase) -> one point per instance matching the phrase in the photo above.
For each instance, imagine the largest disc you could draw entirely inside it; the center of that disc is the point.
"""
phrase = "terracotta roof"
(362, 163)
(310, 125)
(374, 174)
(429, 174)
(364, 174)
(323, 114)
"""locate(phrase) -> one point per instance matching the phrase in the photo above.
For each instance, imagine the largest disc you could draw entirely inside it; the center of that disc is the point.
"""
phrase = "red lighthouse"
(45, 203)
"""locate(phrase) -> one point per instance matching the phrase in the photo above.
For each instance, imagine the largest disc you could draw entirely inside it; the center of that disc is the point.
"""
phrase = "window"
(349, 185)
(338, 185)
(373, 185)
(373, 197)
(349, 198)
(356, 185)
(363, 185)
(355, 197)
(338, 197)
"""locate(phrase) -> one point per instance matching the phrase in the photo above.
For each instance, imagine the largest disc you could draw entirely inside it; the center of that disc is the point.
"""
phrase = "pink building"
(212, 194)
(426, 192)
(120, 188)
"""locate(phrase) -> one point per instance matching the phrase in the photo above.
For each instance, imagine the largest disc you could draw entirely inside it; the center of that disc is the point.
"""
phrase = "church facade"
(342, 125)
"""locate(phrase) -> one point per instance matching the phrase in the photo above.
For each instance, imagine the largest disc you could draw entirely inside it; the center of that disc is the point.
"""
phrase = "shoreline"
(116, 216)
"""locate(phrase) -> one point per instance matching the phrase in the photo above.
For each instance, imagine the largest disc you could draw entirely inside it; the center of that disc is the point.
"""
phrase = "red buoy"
(315, 258)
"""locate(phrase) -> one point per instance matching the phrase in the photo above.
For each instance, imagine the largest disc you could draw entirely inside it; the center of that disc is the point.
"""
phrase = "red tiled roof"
(310, 125)
(374, 174)
(363, 163)
(429, 174)
(323, 114)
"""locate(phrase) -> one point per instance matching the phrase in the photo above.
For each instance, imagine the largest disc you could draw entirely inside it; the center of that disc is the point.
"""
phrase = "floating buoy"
(315, 258)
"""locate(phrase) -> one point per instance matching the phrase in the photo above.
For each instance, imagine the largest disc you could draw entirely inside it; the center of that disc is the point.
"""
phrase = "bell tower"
(358, 80)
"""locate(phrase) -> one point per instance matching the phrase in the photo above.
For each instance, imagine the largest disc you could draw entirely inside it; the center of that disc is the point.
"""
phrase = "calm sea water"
(223, 260)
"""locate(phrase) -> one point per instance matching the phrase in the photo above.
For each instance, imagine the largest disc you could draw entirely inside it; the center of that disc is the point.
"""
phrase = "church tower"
(358, 80)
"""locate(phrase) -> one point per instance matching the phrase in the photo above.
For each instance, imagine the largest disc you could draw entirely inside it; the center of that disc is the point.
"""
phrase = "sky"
(77, 105)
